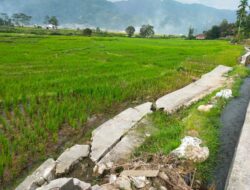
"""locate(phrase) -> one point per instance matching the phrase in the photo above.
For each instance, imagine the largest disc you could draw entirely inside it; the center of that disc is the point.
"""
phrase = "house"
(200, 37)
(50, 26)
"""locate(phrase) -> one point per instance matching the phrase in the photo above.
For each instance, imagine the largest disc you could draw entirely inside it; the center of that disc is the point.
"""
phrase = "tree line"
(240, 29)
(21, 19)
(146, 31)
(18, 19)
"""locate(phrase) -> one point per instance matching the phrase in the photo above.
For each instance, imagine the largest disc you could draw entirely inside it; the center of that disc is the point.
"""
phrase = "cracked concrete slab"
(195, 91)
(111, 132)
(70, 157)
(45, 173)
(124, 148)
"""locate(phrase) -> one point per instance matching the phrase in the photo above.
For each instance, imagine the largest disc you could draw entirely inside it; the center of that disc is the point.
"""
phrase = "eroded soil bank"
(232, 120)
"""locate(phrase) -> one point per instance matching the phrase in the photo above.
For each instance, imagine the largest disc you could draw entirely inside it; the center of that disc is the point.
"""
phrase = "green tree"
(130, 30)
(54, 21)
(191, 33)
(5, 20)
(242, 16)
(98, 30)
(247, 30)
(147, 31)
(87, 32)
(214, 33)
(21, 19)
(224, 26)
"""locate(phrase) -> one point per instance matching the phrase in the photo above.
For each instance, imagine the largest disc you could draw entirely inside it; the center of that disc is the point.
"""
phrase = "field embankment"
(54, 89)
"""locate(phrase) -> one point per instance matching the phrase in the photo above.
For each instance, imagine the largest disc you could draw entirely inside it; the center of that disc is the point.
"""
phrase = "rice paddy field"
(55, 89)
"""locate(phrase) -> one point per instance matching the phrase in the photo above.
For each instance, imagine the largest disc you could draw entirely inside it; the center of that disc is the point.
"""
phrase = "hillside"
(168, 16)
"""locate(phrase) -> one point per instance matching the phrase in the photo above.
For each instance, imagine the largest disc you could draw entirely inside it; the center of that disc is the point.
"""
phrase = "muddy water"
(232, 121)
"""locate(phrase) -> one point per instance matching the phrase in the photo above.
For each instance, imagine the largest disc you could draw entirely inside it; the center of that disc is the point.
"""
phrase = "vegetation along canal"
(232, 120)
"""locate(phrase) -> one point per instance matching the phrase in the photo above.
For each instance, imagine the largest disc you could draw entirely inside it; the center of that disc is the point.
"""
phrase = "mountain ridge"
(167, 16)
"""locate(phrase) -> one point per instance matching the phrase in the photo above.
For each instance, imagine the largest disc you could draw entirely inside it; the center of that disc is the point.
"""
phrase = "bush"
(87, 32)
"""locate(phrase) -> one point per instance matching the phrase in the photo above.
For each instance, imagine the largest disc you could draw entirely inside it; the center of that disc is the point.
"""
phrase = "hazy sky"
(220, 4)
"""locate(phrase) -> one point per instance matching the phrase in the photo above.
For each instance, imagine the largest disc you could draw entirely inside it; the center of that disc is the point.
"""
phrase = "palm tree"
(242, 15)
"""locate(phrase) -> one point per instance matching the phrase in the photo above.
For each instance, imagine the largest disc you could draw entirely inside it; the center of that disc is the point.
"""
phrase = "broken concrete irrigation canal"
(232, 120)
(116, 139)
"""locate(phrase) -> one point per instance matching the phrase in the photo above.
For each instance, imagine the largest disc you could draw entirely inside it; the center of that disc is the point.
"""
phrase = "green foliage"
(87, 32)
(130, 30)
(167, 133)
(51, 85)
(223, 30)
(242, 16)
(214, 33)
(21, 19)
(53, 20)
(190, 33)
(147, 31)
(5, 20)
(227, 29)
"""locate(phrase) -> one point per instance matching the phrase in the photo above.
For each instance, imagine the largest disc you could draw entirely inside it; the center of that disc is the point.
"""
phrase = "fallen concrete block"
(123, 149)
(195, 91)
(112, 179)
(59, 184)
(66, 184)
(205, 108)
(138, 173)
(226, 93)
(140, 182)
(110, 133)
(81, 185)
(71, 157)
(96, 187)
(123, 182)
(45, 173)
(109, 187)
(190, 149)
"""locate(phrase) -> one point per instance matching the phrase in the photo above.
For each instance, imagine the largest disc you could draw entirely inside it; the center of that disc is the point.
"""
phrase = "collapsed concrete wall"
(195, 91)
(116, 138)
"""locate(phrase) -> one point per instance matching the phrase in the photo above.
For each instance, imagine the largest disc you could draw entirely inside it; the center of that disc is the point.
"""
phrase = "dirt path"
(232, 120)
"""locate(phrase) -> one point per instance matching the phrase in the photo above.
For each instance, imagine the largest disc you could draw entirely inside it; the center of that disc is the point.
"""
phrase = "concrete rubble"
(138, 173)
(70, 157)
(158, 171)
(190, 149)
(195, 91)
(205, 108)
(44, 174)
(66, 184)
(226, 94)
(115, 129)
(140, 181)
(123, 182)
